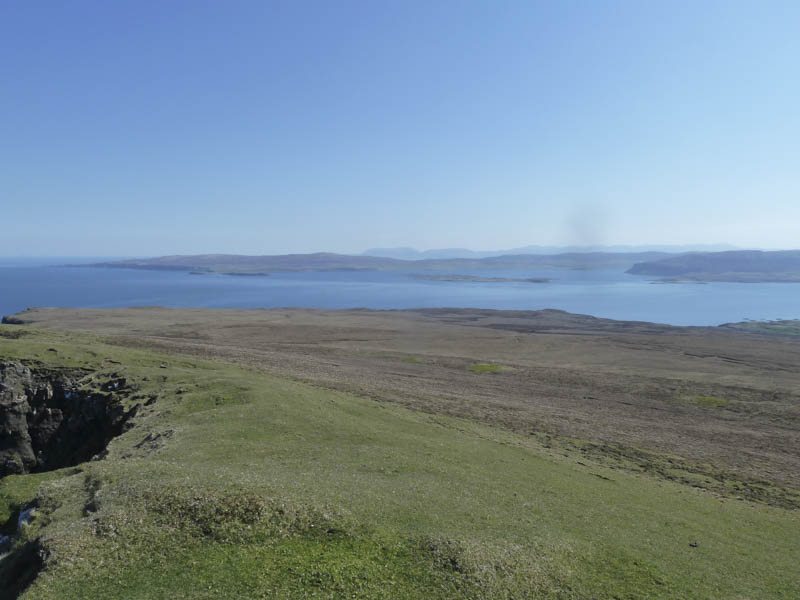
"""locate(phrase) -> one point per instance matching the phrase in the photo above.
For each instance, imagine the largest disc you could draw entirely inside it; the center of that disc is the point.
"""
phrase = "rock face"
(48, 422)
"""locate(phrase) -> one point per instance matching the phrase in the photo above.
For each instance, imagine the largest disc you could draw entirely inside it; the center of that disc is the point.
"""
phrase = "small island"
(666, 280)
(479, 279)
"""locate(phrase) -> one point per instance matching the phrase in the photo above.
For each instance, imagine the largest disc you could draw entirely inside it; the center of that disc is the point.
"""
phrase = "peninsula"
(740, 266)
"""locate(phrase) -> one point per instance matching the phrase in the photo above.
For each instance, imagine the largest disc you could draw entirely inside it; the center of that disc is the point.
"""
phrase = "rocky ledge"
(49, 419)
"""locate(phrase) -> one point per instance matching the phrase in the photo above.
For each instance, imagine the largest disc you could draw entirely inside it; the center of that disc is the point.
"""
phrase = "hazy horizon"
(147, 129)
(528, 248)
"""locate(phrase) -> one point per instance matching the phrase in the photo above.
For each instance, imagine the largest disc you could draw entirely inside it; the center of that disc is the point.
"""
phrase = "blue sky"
(144, 128)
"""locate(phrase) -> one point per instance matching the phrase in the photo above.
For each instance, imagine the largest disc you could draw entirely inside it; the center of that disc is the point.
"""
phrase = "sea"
(609, 293)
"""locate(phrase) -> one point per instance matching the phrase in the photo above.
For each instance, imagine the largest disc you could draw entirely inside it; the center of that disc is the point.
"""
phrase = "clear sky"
(145, 128)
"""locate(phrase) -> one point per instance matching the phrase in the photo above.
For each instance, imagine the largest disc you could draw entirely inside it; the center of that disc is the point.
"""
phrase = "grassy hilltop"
(237, 483)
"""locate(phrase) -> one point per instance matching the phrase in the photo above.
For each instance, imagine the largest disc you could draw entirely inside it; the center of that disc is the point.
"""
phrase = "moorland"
(409, 454)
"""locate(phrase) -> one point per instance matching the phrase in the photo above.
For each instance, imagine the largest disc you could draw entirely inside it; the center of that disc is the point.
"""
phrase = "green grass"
(706, 401)
(718, 481)
(15, 492)
(485, 368)
(249, 486)
(711, 401)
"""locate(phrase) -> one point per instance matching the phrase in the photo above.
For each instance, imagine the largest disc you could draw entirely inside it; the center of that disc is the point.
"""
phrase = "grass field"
(237, 484)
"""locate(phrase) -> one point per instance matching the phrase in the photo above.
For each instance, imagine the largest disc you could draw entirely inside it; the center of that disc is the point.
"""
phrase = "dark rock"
(20, 568)
(47, 423)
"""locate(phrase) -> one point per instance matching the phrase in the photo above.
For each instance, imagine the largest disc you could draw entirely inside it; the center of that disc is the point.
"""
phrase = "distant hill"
(746, 266)
(235, 264)
(407, 253)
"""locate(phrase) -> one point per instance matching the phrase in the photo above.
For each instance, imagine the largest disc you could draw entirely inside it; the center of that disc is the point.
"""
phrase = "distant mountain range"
(236, 264)
(406, 253)
(742, 266)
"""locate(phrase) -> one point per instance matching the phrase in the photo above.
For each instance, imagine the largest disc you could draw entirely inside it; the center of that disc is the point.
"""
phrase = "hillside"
(746, 266)
(235, 264)
(405, 454)
(404, 252)
(238, 264)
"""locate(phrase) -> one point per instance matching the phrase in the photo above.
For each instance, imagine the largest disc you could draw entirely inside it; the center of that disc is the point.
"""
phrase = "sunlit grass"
(486, 368)
(253, 486)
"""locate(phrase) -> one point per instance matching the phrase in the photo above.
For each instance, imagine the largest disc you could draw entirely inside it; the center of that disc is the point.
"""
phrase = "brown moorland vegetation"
(716, 408)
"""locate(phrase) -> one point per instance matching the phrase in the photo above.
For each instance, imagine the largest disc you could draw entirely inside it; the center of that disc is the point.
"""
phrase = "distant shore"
(479, 279)
(235, 264)
(701, 278)
(739, 266)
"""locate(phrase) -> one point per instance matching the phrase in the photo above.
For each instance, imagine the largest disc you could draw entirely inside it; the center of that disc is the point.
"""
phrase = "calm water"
(604, 293)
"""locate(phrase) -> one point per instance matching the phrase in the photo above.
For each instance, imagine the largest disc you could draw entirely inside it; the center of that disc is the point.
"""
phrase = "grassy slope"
(251, 486)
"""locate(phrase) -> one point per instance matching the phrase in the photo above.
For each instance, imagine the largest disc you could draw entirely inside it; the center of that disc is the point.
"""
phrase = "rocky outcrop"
(48, 420)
